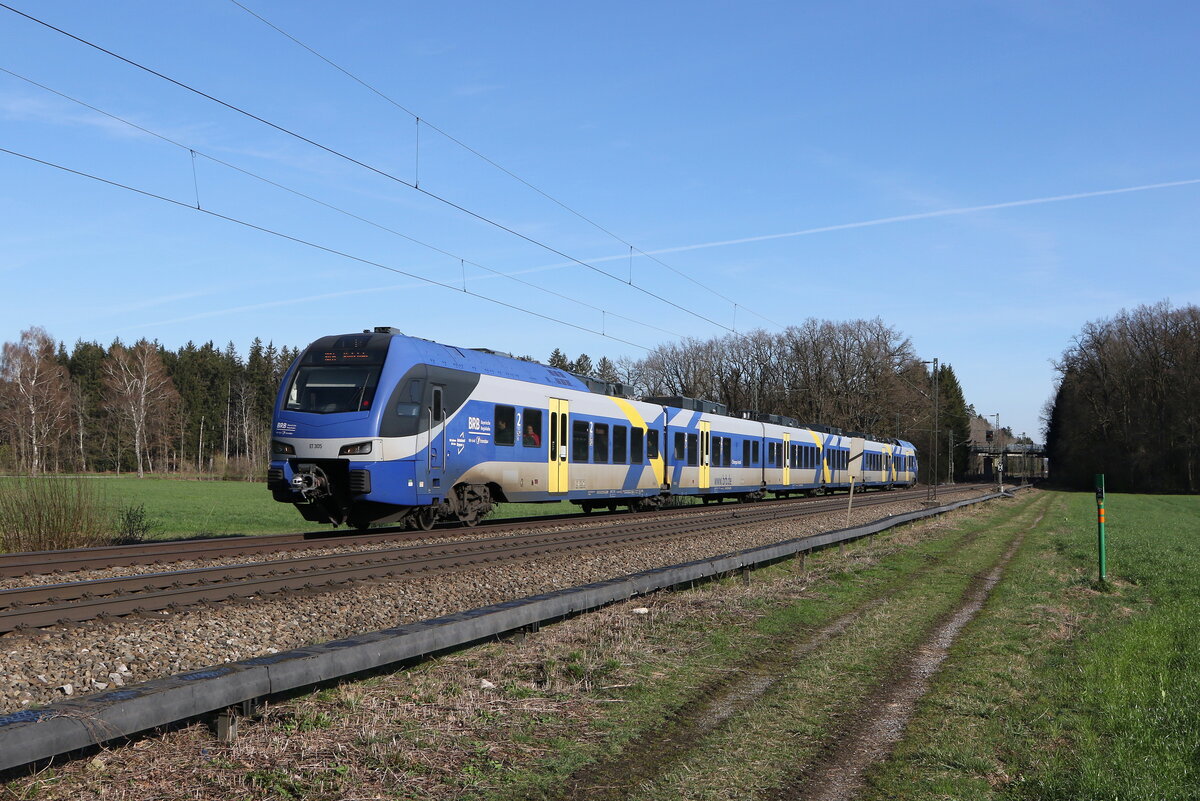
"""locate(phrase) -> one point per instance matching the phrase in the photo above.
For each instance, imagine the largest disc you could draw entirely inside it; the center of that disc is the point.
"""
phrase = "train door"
(705, 454)
(558, 445)
(437, 429)
(787, 458)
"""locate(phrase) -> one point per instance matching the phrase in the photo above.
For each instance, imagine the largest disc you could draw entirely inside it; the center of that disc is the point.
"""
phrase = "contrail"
(925, 215)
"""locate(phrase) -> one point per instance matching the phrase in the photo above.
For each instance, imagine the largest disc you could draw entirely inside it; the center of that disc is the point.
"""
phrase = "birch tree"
(35, 397)
(137, 388)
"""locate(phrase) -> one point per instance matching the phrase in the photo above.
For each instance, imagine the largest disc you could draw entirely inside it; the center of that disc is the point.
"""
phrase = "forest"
(1128, 403)
(206, 411)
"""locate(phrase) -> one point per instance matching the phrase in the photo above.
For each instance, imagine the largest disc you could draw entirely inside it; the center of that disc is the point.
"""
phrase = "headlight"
(282, 448)
(357, 449)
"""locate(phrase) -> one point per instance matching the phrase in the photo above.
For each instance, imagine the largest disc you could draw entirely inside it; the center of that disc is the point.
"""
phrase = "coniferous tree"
(559, 360)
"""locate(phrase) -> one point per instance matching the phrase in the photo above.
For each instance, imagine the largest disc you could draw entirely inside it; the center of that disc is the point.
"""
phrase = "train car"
(904, 463)
(382, 427)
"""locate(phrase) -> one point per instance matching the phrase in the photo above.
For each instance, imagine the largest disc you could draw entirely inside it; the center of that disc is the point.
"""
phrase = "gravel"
(50, 664)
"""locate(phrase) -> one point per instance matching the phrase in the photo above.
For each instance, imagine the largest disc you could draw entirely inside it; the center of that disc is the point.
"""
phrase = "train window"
(677, 455)
(439, 409)
(745, 453)
(323, 390)
(652, 443)
(754, 453)
(579, 441)
(716, 451)
(728, 452)
(506, 425)
(619, 443)
(409, 402)
(600, 443)
(693, 449)
(531, 428)
(636, 446)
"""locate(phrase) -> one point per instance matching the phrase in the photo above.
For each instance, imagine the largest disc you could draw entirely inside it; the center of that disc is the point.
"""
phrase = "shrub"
(133, 524)
(43, 513)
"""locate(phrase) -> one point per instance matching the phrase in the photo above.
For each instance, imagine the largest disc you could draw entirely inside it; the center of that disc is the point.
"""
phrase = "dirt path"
(839, 777)
(653, 754)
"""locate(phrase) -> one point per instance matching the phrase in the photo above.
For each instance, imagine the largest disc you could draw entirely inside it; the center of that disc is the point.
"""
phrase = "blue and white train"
(382, 427)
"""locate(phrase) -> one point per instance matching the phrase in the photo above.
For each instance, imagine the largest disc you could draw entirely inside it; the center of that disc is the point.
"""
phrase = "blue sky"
(948, 167)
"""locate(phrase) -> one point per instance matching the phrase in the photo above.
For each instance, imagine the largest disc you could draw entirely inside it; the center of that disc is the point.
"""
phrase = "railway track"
(80, 601)
(161, 553)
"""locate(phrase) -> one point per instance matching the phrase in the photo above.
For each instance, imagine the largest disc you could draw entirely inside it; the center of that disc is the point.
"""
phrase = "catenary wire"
(495, 164)
(314, 245)
(364, 165)
(249, 173)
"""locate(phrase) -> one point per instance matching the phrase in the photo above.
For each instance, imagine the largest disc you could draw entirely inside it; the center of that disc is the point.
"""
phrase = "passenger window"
(531, 436)
(652, 443)
(728, 451)
(506, 421)
(636, 446)
(619, 442)
(679, 447)
(693, 449)
(600, 443)
(754, 453)
(745, 453)
(579, 441)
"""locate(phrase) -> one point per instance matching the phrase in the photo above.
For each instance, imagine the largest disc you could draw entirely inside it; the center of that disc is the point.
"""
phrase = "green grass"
(1067, 689)
(1129, 696)
(181, 508)
(188, 508)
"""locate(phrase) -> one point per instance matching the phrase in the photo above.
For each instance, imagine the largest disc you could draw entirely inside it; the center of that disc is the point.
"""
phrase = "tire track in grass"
(882, 720)
(651, 754)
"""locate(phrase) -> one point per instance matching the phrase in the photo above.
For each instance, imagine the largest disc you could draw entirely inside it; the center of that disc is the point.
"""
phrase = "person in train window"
(531, 438)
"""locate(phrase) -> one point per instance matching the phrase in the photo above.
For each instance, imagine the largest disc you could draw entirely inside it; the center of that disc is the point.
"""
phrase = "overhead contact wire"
(485, 158)
(308, 243)
(362, 164)
(463, 262)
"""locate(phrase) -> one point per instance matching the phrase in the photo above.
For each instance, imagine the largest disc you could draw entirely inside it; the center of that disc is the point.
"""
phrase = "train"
(380, 427)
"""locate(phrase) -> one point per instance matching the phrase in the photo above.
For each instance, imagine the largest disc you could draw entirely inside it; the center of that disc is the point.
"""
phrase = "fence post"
(1100, 526)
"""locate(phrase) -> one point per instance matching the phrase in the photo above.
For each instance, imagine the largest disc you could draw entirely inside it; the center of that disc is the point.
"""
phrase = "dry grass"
(41, 513)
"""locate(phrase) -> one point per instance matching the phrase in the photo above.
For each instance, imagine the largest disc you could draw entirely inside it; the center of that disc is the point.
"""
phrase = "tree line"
(857, 375)
(137, 408)
(1127, 403)
(204, 409)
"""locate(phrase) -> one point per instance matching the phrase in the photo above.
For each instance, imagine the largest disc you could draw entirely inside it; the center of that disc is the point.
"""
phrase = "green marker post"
(1100, 525)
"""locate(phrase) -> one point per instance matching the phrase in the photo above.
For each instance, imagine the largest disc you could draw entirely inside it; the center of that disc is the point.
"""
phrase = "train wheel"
(587, 508)
(425, 518)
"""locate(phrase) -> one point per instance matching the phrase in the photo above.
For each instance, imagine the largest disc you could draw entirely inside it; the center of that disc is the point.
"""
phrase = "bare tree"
(35, 397)
(1127, 402)
(139, 390)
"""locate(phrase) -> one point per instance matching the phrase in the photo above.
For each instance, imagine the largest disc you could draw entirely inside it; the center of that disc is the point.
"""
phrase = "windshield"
(325, 390)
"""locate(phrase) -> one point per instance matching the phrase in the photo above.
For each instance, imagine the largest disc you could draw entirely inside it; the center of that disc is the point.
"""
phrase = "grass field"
(1066, 688)
(188, 508)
